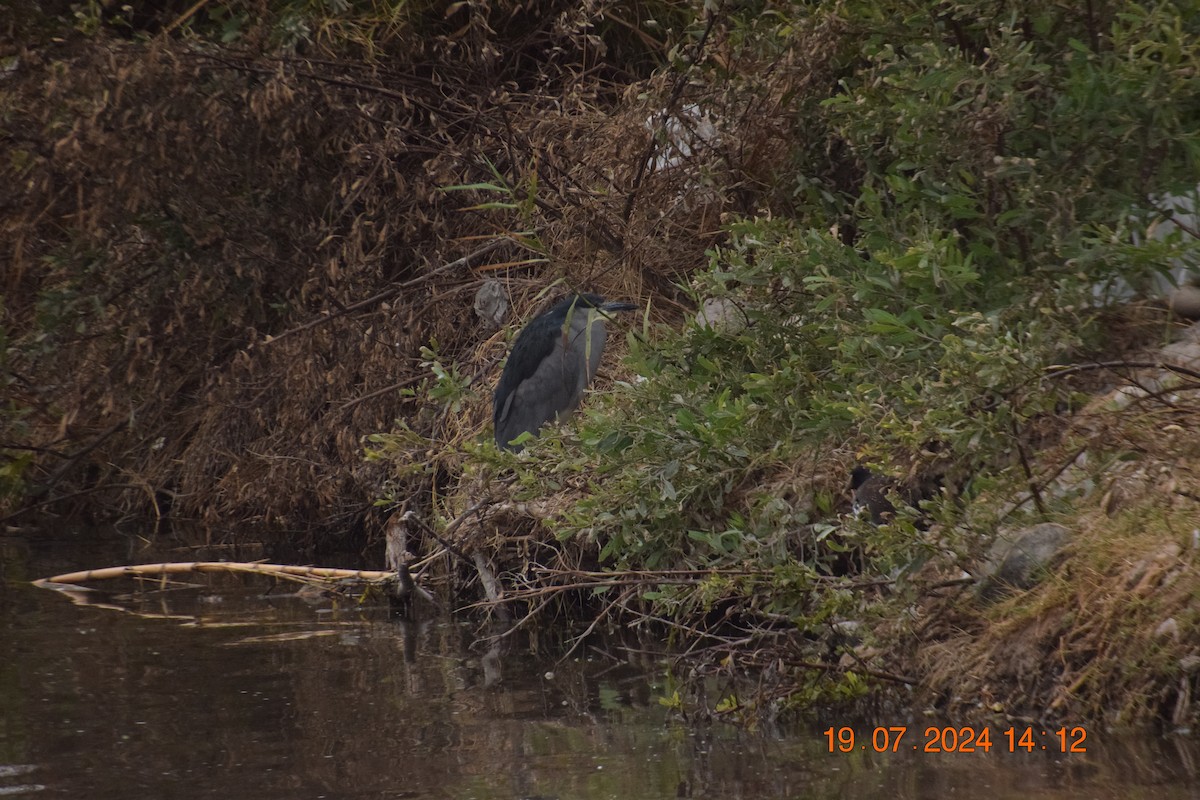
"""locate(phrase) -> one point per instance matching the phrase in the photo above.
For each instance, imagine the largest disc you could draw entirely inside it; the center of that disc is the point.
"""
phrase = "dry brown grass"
(222, 264)
(1113, 632)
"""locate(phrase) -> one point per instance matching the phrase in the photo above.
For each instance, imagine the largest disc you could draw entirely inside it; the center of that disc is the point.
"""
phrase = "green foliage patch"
(1004, 155)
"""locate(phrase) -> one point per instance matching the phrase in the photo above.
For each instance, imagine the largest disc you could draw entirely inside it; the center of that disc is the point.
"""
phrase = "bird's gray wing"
(551, 363)
(533, 345)
(550, 390)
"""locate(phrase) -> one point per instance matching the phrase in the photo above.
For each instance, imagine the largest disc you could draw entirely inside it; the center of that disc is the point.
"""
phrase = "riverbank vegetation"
(245, 239)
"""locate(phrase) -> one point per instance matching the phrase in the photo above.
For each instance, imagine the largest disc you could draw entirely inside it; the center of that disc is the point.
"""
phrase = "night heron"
(553, 360)
(873, 494)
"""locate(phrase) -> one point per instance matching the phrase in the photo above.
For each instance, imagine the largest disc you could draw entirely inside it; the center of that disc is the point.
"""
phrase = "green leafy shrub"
(1001, 157)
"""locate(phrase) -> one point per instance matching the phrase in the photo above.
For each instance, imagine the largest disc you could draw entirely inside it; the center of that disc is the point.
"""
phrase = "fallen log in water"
(398, 583)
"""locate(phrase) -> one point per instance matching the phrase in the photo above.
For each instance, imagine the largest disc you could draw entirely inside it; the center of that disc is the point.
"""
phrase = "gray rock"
(1186, 351)
(723, 315)
(1177, 215)
(1185, 301)
(1019, 560)
(491, 304)
(1168, 629)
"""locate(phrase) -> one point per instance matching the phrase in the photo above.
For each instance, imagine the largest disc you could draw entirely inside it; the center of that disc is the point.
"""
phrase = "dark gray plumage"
(872, 493)
(552, 361)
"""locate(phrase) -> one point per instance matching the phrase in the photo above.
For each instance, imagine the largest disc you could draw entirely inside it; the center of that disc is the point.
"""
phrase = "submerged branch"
(324, 574)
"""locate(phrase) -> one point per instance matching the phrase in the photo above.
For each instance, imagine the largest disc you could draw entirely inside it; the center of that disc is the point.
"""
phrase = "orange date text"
(947, 739)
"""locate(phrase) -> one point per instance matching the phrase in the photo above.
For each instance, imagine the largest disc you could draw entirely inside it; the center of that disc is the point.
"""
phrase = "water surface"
(220, 686)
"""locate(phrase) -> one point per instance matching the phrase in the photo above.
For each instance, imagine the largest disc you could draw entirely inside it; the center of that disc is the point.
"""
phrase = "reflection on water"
(238, 687)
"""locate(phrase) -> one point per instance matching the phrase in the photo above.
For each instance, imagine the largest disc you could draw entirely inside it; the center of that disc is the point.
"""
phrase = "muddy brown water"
(238, 687)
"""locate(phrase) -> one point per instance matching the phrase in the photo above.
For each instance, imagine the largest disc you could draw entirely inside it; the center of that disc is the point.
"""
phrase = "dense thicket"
(227, 237)
(243, 236)
(967, 197)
